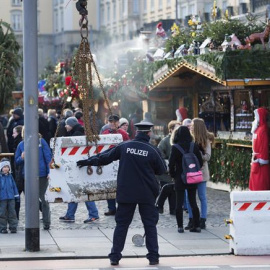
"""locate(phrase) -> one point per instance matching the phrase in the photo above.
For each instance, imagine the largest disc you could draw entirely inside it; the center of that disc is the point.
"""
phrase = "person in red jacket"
(260, 171)
(113, 129)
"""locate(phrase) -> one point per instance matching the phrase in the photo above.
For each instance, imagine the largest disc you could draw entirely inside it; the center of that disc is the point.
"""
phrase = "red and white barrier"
(68, 183)
(250, 223)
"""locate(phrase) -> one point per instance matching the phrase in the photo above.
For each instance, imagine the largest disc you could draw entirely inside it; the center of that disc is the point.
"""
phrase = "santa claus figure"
(181, 114)
(259, 173)
(160, 32)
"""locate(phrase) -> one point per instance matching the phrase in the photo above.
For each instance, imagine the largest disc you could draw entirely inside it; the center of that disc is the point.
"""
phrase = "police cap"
(144, 126)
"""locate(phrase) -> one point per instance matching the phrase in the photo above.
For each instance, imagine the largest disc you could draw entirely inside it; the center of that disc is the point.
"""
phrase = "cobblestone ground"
(218, 210)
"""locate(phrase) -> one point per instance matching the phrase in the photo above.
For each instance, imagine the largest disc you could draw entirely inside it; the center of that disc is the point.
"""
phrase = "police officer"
(139, 162)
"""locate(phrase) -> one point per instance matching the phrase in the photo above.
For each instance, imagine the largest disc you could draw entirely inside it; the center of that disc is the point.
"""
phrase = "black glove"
(83, 162)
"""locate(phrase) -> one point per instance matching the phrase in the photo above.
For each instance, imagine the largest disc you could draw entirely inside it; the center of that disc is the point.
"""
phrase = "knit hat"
(187, 122)
(71, 121)
(122, 121)
(3, 163)
(18, 111)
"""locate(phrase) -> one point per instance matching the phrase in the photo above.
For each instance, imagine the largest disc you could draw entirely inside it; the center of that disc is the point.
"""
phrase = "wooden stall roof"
(171, 78)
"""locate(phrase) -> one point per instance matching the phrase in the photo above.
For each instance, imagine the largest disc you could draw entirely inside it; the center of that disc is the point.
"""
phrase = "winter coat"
(43, 128)
(62, 132)
(175, 164)
(45, 157)
(52, 120)
(18, 169)
(77, 130)
(139, 162)
(165, 149)
(118, 131)
(8, 189)
(3, 143)
(12, 124)
(206, 155)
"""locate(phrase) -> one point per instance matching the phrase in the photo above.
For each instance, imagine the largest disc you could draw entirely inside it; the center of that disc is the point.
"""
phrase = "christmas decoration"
(9, 63)
(231, 164)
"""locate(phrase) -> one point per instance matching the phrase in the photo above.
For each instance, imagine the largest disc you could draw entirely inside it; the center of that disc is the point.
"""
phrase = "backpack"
(191, 167)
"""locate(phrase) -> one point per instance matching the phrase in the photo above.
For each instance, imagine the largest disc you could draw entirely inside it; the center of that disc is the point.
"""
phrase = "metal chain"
(83, 70)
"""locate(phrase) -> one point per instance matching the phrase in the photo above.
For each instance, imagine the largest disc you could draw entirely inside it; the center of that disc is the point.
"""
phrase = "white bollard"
(68, 183)
(250, 223)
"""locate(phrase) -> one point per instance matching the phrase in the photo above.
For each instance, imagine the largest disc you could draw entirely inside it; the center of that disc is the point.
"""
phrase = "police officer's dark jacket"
(139, 162)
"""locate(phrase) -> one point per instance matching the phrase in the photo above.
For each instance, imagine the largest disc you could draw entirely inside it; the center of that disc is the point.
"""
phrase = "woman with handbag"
(183, 138)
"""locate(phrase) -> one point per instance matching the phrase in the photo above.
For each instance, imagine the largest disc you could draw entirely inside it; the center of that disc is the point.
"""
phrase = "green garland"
(231, 164)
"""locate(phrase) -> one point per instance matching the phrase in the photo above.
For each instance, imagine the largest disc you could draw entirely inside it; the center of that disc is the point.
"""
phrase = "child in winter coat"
(8, 195)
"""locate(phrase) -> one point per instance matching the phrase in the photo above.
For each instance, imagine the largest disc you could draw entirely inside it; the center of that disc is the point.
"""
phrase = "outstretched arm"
(103, 158)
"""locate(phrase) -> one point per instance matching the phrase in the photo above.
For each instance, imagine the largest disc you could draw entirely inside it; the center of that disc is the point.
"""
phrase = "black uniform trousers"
(123, 218)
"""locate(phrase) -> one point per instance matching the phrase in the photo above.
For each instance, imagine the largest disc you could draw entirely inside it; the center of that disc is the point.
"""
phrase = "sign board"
(69, 183)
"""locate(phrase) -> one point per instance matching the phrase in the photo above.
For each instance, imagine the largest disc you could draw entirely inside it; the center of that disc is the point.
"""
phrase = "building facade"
(112, 21)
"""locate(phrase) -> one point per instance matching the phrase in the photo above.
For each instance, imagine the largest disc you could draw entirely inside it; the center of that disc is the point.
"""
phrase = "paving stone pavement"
(218, 210)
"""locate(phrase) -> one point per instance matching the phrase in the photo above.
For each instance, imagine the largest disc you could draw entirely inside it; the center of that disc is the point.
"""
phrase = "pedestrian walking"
(8, 195)
(204, 139)
(75, 129)
(139, 162)
(183, 138)
(44, 158)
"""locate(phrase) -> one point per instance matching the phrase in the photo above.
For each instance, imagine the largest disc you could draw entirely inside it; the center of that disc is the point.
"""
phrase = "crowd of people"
(143, 176)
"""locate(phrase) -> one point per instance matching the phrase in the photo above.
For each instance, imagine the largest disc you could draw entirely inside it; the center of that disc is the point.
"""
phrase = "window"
(16, 20)
(183, 12)
(124, 7)
(102, 16)
(152, 5)
(224, 5)
(108, 13)
(208, 7)
(192, 9)
(62, 19)
(114, 12)
(56, 24)
(145, 6)
(135, 7)
(160, 4)
(169, 3)
(16, 3)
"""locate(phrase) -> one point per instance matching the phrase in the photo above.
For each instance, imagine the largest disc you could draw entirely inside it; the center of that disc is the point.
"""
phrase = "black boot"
(190, 224)
(202, 223)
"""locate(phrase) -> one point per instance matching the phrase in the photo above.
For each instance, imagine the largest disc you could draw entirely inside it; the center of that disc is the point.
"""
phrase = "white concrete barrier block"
(250, 213)
(71, 184)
